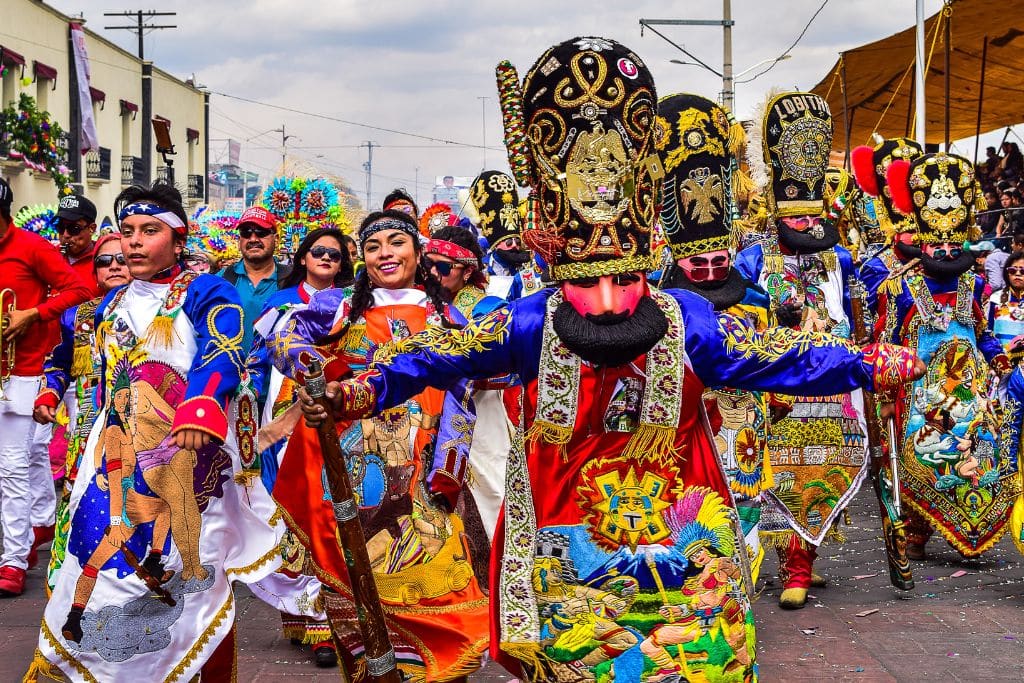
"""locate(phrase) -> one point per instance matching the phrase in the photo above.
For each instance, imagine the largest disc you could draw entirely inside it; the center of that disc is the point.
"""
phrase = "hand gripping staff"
(883, 470)
(380, 655)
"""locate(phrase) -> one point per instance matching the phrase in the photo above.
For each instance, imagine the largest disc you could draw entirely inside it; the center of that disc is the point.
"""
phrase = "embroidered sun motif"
(626, 504)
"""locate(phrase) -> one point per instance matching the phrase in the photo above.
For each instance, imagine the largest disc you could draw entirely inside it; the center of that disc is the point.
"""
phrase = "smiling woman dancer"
(436, 611)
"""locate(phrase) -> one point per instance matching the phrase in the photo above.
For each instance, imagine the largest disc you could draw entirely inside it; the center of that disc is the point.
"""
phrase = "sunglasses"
(444, 268)
(1015, 270)
(247, 231)
(72, 229)
(104, 260)
(943, 252)
(333, 255)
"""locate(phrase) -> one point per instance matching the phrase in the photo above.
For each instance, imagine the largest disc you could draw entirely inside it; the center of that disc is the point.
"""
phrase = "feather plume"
(896, 178)
(759, 172)
(863, 162)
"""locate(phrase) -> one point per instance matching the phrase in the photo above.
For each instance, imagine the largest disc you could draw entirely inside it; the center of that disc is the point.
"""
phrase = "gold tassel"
(161, 331)
(81, 361)
(530, 653)
(775, 539)
(653, 441)
(246, 477)
(41, 666)
(550, 434)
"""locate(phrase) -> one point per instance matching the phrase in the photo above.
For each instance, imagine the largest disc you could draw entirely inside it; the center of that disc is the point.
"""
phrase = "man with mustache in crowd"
(257, 275)
(614, 496)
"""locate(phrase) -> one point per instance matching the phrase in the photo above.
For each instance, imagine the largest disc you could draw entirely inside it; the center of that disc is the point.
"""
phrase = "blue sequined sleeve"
(292, 347)
(725, 352)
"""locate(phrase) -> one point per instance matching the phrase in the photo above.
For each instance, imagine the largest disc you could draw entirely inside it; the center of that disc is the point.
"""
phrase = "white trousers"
(27, 496)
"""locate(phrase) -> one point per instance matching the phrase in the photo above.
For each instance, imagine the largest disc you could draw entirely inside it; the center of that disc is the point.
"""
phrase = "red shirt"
(33, 268)
(83, 267)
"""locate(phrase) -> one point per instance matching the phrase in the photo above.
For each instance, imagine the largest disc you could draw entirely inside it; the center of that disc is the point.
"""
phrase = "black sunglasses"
(247, 231)
(70, 227)
(444, 268)
(104, 260)
(333, 255)
(952, 252)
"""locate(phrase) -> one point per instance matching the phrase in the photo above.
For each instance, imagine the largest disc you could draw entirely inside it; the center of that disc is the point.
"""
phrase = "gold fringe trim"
(161, 331)
(204, 639)
(64, 654)
(551, 434)
(530, 653)
(81, 361)
(652, 441)
(781, 539)
(269, 557)
(964, 550)
(41, 666)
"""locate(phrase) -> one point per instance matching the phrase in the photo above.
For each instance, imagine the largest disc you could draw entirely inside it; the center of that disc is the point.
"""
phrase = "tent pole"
(981, 98)
(846, 111)
(910, 110)
(947, 18)
(919, 65)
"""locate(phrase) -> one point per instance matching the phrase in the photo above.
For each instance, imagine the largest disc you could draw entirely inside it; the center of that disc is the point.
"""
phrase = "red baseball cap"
(257, 215)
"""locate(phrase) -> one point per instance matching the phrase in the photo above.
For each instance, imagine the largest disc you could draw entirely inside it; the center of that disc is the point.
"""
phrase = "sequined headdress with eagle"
(495, 200)
(696, 142)
(579, 134)
(941, 192)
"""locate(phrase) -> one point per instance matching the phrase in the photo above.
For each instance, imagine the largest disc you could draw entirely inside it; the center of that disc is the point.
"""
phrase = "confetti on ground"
(810, 631)
(958, 574)
(867, 612)
(864, 576)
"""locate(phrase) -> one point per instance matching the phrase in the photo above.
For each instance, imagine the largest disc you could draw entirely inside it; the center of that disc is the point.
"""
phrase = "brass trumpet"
(8, 303)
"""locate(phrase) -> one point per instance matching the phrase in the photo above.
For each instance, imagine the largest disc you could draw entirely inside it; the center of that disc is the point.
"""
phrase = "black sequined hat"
(869, 167)
(579, 133)
(496, 201)
(796, 141)
(692, 137)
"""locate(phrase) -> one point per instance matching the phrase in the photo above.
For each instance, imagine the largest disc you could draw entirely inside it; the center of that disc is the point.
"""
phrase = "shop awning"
(878, 78)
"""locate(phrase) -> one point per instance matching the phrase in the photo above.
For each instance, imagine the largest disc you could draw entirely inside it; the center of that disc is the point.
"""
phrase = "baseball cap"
(257, 215)
(74, 207)
(6, 196)
(982, 246)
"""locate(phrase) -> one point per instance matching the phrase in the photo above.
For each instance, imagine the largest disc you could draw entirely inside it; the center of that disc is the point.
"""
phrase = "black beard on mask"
(943, 271)
(612, 339)
(513, 259)
(906, 252)
(721, 293)
(803, 243)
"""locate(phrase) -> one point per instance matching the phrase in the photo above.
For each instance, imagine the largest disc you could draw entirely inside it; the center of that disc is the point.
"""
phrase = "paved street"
(967, 627)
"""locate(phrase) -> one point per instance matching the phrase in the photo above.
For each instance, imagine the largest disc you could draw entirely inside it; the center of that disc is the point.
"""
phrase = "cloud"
(421, 66)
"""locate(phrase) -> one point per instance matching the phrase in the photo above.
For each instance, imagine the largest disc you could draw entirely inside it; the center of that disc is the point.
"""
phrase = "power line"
(786, 51)
(445, 141)
(140, 28)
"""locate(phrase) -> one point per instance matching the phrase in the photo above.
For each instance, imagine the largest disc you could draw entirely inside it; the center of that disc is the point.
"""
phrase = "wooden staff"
(379, 654)
(883, 471)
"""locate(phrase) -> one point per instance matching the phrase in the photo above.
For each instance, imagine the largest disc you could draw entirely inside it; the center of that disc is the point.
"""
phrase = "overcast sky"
(421, 67)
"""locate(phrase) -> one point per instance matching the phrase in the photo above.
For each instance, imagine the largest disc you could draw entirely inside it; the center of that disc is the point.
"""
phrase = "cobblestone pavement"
(964, 621)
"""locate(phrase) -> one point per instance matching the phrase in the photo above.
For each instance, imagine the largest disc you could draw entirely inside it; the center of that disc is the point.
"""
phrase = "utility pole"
(368, 167)
(483, 128)
(141, 27)
(416, 190)
(919, 75)
(284, 147)
(726, 23)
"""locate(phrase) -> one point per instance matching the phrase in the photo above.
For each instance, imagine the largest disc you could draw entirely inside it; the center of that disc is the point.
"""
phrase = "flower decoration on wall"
(33, 137)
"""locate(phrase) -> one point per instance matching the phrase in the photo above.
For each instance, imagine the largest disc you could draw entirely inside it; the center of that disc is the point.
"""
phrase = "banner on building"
(89, 139)
(234, 152)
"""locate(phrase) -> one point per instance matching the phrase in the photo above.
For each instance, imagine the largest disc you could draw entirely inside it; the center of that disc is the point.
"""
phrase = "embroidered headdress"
(579, 134)
(869, 168)
(939, 191)
(795, 137)
(696, 143)
(495, 201)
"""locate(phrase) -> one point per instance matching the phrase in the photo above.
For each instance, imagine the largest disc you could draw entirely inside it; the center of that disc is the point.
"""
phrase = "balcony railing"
(97, 164)
(164, 173)
(132, 172)
(195, 187)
